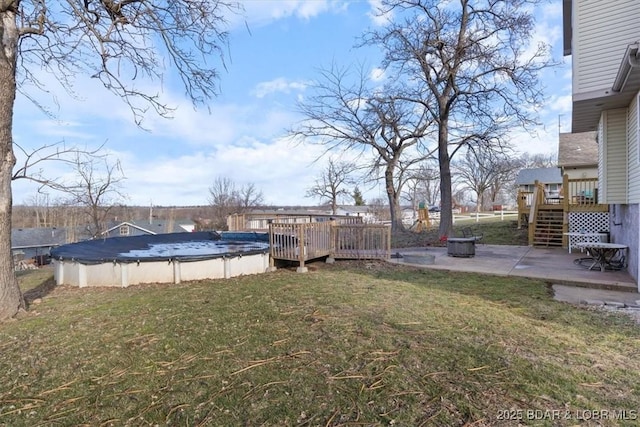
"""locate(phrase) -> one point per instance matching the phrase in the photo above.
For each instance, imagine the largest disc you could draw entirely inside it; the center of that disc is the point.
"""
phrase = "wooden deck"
(307, 241)
(537, 207)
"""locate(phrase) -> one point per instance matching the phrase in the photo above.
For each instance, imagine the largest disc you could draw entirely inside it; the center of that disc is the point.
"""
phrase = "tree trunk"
(446, 215)
(11, 300)
(395, 211)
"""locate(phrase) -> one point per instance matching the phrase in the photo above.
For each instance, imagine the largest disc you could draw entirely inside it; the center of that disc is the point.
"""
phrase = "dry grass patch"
(494, 232)
(348, 344)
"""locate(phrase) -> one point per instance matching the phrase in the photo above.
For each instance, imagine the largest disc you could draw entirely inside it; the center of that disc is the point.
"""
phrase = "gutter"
(630, 60)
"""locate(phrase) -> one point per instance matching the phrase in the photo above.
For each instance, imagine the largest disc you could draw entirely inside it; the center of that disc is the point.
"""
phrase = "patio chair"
(468, 233)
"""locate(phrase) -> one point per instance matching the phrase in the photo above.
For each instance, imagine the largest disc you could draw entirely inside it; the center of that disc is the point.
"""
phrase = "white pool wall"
(119, 274)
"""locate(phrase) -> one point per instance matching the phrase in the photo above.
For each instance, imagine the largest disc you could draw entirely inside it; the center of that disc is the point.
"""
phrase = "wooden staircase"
(548, 227)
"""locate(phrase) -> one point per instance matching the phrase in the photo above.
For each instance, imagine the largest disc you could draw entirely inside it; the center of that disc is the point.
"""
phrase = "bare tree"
(538, 160)
(223, 199)
(249, 196)
(33, 161)
(226, 199)
(96, 178)
(378, 209)
(478, 171)
(423, 185)
(115, 42)
(40, 205)
(96, 189)
(502, 186)
(331, 185)
(487, 174)
(347, 112)
(471, 68)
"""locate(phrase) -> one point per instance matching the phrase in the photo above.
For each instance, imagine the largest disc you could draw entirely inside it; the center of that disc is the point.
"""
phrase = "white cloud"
(375, 14)
(279, 85)
(548, 29)
(238, 136)
(544, 140)
(561, 104)
(550, 11)
(58, 130)
(263, 12)
(377, 74)
(281, 171)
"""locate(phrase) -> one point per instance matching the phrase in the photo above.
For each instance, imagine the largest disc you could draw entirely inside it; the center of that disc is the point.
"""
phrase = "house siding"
(633, 155)
(595, 25)
(581, 172)
(624, 230)
(600, 35)
(614, 157)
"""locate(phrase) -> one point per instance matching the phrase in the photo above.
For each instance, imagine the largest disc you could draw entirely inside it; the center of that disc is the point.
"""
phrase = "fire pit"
(464, 247)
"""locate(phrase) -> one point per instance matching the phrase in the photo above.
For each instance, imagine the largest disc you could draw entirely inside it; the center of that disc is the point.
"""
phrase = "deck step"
(548, 228)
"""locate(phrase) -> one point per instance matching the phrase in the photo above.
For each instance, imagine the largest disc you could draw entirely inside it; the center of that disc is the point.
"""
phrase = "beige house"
(603, 39)
(578, 155)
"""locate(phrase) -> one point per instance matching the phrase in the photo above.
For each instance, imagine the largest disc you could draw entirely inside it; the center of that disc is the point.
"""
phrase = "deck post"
(272, 259)
(301, 252)
(332, 242)
(533, 211)
(522, 207)
(565, 210)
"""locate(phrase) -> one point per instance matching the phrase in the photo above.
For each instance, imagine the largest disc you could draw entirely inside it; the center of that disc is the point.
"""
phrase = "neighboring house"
(139, 228)
(259, 219)
(550, 177)
(36, 243)
(603, 39)
(578, 155)
(368, 216)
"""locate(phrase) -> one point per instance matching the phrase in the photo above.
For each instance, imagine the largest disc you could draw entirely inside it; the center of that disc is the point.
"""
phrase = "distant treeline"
(71, 216)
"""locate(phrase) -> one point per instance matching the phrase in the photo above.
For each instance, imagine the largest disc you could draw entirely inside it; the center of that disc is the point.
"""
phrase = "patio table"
(604, 254)
(584, 238)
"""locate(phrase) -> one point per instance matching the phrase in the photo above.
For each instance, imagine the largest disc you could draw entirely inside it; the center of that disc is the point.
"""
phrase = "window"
(124, 230)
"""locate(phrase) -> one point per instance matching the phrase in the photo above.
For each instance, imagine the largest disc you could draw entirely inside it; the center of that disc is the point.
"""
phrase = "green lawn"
(353, 343)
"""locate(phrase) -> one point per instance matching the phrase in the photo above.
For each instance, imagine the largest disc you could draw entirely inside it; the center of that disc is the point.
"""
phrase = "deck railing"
(361, 241)
(575, 195)
(537, 200)
(300, 242)
(580, 194)
(261, 221)
(303, 242)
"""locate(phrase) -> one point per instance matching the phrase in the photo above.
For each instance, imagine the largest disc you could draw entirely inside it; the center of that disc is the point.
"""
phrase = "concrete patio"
(554, 265)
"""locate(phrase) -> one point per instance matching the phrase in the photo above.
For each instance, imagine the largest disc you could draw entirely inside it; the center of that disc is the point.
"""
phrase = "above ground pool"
(160, 258)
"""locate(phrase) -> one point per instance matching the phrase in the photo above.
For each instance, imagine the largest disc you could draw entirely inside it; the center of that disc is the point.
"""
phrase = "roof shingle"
(578, 149)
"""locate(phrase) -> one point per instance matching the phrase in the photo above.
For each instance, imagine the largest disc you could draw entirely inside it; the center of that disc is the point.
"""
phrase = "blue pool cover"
(164, 247)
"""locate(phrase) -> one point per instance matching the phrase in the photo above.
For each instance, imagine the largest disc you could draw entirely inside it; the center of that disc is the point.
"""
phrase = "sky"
(276, 49)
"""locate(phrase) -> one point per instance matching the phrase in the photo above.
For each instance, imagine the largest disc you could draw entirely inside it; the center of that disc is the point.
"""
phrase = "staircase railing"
(575, 195)
(536, 200)
(524, 202)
